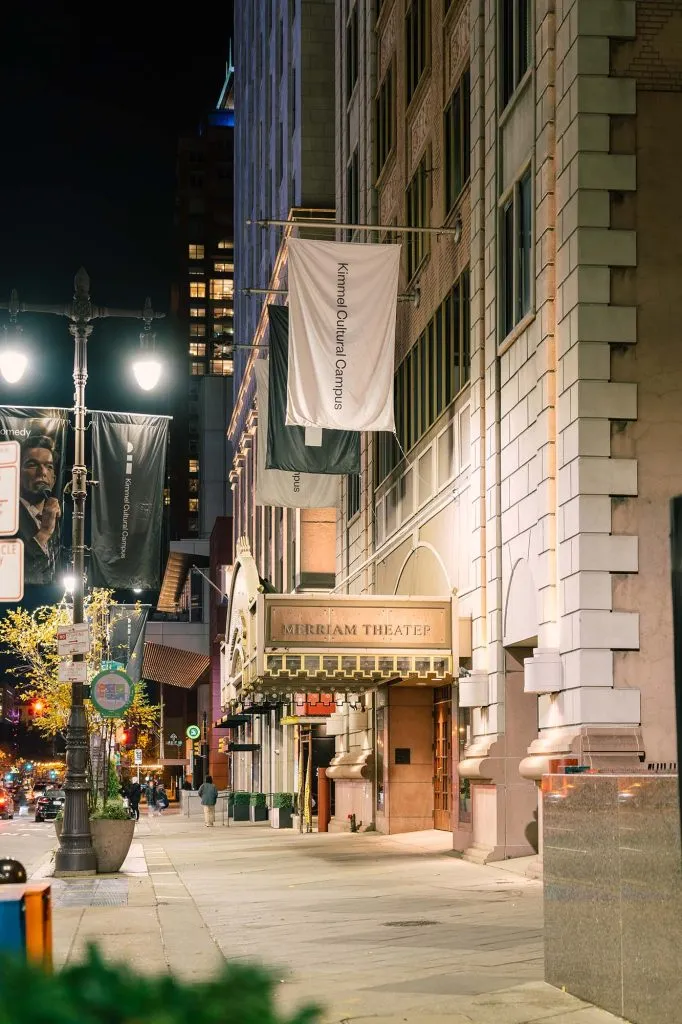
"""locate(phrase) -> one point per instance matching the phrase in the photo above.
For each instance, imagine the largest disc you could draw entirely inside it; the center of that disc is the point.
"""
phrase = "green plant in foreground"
(284, 801)
(113, 810)
(258, 800)
(241, 798)
(95, 992)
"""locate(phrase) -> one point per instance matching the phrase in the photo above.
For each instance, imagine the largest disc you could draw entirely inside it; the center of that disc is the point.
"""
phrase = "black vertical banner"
(127, 624)
(129, 465)
(676, 566)
(41, 434)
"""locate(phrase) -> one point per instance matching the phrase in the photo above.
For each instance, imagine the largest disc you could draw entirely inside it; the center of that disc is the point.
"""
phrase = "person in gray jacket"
(209, 795)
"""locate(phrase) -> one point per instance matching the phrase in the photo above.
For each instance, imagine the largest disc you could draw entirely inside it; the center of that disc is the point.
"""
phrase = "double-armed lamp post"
(75, 854)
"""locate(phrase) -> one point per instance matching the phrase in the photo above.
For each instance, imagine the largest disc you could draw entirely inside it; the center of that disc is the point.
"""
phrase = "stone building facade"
(536, 484)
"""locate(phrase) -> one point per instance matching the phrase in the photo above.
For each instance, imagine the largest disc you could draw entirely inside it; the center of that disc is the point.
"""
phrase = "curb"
(45, 868)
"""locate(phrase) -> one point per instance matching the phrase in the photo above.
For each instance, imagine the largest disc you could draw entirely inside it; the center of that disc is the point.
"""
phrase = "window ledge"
(516, 333)
(421, 266)
(456, 208)
(419, 91)
(386, 170)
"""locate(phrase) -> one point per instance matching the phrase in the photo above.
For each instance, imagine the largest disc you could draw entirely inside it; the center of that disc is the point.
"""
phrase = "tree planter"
(282, 817)
(258, 813)
(111, 841)
(241, 812)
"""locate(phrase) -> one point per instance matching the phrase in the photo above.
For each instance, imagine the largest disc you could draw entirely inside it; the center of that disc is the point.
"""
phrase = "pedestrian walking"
(151, 797)
(209, 796)
(161, 797)
(134, 793)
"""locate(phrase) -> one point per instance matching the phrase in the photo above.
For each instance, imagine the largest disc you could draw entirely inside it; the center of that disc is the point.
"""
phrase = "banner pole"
(75, 854)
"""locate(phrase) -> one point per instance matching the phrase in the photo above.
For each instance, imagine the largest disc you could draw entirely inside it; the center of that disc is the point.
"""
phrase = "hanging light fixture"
(147, 367)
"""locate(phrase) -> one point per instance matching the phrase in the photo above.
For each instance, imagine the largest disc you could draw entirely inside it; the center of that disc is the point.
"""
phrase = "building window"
(516, 238)
(222, 329)
(428, 379)
(197, 330)
(195, 252)
(197, 289)
(351, 52)
(197, 369)
(197, 312)
(418, 210)
(193, 465)
(221, 288)
(193, 504)
(197, 271)
(353, 190)
(515, 44)
(197, 348)
(352, 495)
(221, 367)
(385, 120)
(222, 312)
(223, 268)
(225, 243)
(457, 139)
(416, 43)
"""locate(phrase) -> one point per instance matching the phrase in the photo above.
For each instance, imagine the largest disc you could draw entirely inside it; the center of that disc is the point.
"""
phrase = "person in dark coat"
(134, 794)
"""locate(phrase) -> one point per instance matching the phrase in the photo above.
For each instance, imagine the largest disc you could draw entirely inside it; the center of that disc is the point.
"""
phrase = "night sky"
(91, 113)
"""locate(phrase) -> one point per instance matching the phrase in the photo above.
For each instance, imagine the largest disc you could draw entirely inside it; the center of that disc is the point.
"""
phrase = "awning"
(173, 666)
(232, 721)
(175, 577)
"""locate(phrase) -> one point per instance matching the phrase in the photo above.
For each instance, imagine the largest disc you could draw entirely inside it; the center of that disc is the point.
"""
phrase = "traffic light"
(124, 738)
(38, 707)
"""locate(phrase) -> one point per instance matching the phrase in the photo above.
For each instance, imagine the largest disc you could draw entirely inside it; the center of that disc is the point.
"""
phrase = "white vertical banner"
(281, 488)
(342, 311)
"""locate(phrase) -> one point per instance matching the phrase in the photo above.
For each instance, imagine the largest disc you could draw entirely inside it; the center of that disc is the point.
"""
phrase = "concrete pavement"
(377, 929)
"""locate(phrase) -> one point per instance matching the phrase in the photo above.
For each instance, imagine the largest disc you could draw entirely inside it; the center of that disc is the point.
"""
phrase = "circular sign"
(193, 732)
(112, 693)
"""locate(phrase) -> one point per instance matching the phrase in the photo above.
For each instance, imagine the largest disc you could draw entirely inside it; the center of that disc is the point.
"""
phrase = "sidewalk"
(376, 928)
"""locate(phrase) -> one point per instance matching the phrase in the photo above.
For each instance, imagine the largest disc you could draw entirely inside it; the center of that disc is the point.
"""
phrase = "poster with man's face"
(41, 434)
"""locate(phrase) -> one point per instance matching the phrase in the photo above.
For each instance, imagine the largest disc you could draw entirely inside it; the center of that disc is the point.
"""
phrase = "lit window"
(193, 504)
(197, 312)
(221, 367)
(197, 289)
(222, 288)
(225, 243)
(222, 329)
(193, 465)
(417, 43)
(195, 252)
(220, 351)
(197, 330)
(197, 369)
(197, 348)
(516, 227)
(166, 496)
(223, 268)
(194, 485)
(457, 142)
(515, 45)
(222, 312)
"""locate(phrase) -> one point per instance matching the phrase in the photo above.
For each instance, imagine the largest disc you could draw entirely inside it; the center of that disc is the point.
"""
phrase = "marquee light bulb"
(147, 372)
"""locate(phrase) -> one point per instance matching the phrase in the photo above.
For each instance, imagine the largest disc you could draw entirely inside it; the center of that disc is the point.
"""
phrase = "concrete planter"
(111, 841)
(281, 817)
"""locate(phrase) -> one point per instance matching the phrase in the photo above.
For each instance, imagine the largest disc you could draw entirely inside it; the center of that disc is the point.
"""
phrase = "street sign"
(74, 639)
(11, 570)
(73, 672)
(138, 755)
(112, 693)
(173, 740)
(9, 488)
(193, 732)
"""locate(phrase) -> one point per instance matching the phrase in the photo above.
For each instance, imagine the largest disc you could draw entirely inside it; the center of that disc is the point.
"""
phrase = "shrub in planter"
(241, 802)
(281, 815)
(259, 807)
(94, 991)
(112, 830)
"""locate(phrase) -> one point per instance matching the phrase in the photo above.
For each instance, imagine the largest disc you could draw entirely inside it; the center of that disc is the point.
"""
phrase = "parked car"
(49, 804)
(6, 804)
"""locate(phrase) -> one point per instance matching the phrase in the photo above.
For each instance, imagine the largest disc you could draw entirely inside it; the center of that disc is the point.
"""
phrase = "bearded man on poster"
(39, 511)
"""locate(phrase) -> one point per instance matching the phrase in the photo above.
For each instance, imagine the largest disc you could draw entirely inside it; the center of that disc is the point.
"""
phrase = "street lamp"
(75, 854)
(13, 360)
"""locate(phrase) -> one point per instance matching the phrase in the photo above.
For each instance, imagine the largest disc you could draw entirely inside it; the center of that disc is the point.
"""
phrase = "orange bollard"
(323, 801)
(38, 917)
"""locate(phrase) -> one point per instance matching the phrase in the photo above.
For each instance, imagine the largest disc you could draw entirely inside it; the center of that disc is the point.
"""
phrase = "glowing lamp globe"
(12, 364)
(147, 372)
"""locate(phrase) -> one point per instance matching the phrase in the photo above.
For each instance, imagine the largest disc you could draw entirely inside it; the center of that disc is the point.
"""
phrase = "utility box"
(26, 921)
